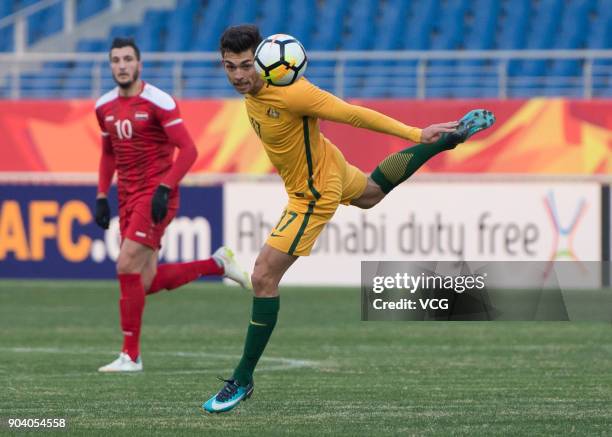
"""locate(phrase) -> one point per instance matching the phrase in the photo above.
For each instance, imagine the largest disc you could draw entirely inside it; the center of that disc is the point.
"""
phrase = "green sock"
(263, 319)
(396, 168)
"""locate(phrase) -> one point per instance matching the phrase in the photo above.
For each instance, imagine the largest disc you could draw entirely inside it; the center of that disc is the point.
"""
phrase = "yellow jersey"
(286, 119)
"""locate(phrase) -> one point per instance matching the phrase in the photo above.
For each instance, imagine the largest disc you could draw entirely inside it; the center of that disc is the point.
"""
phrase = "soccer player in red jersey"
(141, 125)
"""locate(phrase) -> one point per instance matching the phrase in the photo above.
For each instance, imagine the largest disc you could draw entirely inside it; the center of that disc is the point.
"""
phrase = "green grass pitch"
(324, 372)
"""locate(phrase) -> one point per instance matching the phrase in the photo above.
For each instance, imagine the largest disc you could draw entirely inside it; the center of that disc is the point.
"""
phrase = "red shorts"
(136, 223)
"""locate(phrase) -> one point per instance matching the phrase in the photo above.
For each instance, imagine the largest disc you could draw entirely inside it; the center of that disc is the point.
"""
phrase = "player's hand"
(432, 133)
(102, 212)
(159, 204)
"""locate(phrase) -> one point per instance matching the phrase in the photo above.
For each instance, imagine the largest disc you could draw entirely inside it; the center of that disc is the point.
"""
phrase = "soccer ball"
(280, 60)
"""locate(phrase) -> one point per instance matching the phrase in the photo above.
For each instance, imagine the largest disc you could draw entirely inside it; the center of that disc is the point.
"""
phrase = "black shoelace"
(229, 389)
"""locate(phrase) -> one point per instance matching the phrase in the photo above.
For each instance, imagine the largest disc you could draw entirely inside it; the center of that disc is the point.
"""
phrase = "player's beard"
(126, 85)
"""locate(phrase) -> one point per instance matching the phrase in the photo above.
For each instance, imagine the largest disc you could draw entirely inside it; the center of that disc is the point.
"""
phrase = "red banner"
(549, 136)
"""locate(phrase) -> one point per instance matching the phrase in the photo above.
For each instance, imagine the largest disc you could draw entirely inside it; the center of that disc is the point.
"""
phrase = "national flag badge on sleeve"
(141, 116)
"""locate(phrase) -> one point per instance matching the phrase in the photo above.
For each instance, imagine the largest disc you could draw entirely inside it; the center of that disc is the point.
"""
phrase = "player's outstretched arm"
(306, 99)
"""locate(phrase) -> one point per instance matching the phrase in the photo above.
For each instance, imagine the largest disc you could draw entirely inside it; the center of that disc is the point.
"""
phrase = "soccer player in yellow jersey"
(316, 176)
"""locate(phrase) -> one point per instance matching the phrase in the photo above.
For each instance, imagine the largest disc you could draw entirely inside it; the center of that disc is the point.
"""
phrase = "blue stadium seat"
(5, 90)
(513, 25)
(361, 35)
(45, 23)
(575, 25)
(354, 77)
(321, 73)
(91, 45)
(201, 77)
(160, 74)
(245, 13)
(420, 26)
(22, 4)
(274, 18)
(603, 91)
(54, 21)
(148, 34)
(402, 78)
(82, 71)
(566, 68)
(6, 8)
(181, 26)
(107, 82)
(301, 18)
(34, 23)
(210, 26)
(541, 36)
(562, 86)
(435, 91)
(601, 35)
(389, 29)
(6, 39)
(480, 35)
(449, 29)
(40, 85)
(87, 8)
(123, 31)
(330, 18)
(545, 24)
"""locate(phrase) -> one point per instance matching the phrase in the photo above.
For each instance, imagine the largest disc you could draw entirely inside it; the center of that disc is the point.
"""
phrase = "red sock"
(131, 306)
(170, 276)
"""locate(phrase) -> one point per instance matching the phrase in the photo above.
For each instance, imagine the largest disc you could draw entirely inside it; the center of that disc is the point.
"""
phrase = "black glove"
(102, 212)
(159, 204)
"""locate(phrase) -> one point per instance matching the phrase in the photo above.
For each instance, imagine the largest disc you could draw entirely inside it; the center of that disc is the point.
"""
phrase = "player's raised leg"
(270, 266)
(172, 276)
(133, 257)
(398, 167)
(232, 269)
(370, 197)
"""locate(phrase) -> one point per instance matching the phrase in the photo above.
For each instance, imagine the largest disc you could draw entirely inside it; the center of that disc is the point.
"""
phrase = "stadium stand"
(195, 25)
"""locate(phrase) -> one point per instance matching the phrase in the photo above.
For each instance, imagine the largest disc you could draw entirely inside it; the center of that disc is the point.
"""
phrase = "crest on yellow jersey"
(273, 113)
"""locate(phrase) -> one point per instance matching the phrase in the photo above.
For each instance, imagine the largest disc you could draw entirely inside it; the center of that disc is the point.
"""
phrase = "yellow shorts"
(304, 218)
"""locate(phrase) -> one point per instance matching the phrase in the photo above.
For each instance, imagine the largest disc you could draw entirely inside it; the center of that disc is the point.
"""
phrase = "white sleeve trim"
(158, 97)
(173, 122)
(108, 97)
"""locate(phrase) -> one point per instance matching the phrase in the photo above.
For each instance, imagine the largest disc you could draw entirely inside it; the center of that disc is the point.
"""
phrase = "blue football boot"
(471, 123)
(229, 396)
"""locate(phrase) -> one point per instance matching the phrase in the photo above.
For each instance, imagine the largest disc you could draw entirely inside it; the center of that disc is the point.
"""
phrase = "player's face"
(240, 70)
(125, 66)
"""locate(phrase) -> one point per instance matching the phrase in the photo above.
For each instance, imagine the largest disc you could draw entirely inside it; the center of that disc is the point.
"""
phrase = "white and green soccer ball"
(280, 59)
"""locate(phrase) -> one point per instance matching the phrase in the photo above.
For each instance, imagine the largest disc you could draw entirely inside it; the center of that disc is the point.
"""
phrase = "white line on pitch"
(282, 362)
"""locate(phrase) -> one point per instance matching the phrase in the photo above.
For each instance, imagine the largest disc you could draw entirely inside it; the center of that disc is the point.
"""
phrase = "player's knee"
(264, 284)
(127, 264)
(370, 203)
(258, 279)
(371, 197)
(147, 280)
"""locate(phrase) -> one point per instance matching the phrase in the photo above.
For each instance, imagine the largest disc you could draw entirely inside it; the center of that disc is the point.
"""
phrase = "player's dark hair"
(125, 42)
(237, 39)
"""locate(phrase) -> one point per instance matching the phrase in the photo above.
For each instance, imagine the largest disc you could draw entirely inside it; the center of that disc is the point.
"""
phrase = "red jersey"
(136, 127)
